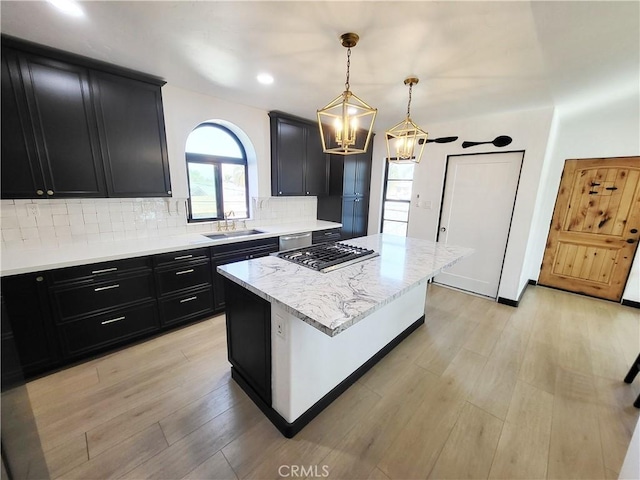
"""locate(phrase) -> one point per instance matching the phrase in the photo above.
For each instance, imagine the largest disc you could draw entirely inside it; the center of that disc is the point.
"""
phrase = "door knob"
(443, 229)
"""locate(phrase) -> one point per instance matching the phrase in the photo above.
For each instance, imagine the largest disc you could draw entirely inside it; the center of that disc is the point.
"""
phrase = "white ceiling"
(472, 58)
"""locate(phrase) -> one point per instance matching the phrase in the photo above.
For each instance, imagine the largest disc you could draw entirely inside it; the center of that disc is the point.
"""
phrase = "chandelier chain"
(346, 84)
(409, 104)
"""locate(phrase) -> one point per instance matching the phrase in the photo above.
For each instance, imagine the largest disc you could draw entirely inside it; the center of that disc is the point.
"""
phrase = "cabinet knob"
(39, 192)
(49, 192)
(307, 193)
(39, 279)
(279, 193)
(168, 192)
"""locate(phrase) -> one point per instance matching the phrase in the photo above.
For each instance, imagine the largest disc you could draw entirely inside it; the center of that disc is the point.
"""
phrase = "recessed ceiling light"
(265, 79)
(70, 7)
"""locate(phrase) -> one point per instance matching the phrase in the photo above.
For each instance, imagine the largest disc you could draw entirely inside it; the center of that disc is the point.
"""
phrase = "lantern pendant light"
(347, 122)
(406, 140)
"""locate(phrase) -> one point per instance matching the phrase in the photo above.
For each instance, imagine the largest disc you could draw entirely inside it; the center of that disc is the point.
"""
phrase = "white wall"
(529, 130)
(599, 128)
(184, 110)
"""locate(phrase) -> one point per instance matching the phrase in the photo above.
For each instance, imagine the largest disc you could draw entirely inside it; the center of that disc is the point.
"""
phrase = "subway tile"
(60, 220)
(63, 231)
(11, 234)
(117, 226)
(74, 209)
(106, 236)
(29, 232)
(91, 228)
(26, 222)
(32, 242)
(90, 217)
(47, 232)
(76, 219)
(78, 229)
(58, 209)
(9, 222)
(119, 236)
(105, 227)
(103, 217)
(88, 207)
(116, 216)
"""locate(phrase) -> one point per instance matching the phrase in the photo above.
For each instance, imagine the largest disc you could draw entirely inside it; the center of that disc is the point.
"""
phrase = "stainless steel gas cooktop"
(325, 257)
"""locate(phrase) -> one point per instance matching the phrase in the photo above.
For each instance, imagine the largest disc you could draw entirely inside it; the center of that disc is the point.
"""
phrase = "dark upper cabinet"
(75, 128)
(348, 199)
(298, 164)
(49, 135)
(132, 136)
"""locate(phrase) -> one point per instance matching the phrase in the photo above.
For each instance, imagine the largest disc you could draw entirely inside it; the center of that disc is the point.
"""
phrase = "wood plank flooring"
(482, 390)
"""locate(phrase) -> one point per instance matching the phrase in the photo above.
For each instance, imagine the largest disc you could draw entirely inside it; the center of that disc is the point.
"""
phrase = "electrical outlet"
(33, 210)
(280, 328)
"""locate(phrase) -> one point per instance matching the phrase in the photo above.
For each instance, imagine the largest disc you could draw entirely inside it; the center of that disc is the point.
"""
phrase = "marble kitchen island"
(298, 338)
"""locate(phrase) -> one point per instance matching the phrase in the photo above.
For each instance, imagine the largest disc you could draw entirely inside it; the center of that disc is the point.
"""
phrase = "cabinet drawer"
(75, 301)
(185, 276)
(100, 271)
(266, 244)
(96, 331)
(189, 305)
(326, 236)
(181, 256)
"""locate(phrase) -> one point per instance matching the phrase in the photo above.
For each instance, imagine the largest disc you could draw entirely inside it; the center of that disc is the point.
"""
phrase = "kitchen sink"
(238, 233)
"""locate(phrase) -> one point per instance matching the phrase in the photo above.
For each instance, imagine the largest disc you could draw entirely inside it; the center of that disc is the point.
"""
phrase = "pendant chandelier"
(347, 122)
(406, 140)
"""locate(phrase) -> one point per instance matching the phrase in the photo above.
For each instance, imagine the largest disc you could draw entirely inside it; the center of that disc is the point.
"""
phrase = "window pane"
(401, 171)
(399, 189)
(234, 190)
(396, 211)
(213, 141)
(202, 186)
(394, 228)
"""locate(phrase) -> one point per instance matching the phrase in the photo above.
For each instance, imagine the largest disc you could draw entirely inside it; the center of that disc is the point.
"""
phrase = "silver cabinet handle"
(99, 289)
(105, 270)
(184, 300)
(185, 271)
(106, 322)
(293, 237)
(183, 257)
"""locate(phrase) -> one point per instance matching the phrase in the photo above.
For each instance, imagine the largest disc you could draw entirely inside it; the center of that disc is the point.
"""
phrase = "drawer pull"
(185, 271)
(99, 289)
(183, 257)
(185, 300)
(106, 322)
(105, 270)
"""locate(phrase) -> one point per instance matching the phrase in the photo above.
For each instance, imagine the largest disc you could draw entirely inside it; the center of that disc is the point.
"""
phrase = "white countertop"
(27, 260)
(332, 302)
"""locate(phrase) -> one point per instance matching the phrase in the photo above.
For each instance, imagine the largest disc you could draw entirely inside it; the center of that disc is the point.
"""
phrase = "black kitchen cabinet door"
(132, 136)
(298, 164)
(289, 158)
(316, 165)
(249, 338)
(355, 212)
(27, 308)
(21, 171)
(63, 119)
(357, 175)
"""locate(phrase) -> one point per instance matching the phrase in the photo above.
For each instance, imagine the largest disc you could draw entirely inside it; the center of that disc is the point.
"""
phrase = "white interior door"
(479, 195)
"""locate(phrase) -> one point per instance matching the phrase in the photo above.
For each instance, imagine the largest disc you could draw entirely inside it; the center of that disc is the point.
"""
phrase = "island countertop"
(334, 301)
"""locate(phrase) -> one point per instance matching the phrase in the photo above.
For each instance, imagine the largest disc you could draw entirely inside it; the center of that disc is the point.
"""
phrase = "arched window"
(217, 174)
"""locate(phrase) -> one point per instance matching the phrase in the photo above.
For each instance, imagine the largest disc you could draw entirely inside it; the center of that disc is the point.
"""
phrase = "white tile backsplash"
(65, 221)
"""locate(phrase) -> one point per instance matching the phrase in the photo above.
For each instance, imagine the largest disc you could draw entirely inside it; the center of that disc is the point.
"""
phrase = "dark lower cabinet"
(27, 308)
(236, 253)
(249, 338)
(93, 333)
(186, 306)
(321, 236)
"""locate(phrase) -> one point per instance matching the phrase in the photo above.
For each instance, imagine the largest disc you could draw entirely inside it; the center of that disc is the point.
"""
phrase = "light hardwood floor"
(482, 390)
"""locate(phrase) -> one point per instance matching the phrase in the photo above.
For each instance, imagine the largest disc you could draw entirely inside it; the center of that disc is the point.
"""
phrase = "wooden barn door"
(595, 227)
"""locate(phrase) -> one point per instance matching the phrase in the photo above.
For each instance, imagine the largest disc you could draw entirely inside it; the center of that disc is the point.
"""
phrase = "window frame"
(216, 161)
(385, 199)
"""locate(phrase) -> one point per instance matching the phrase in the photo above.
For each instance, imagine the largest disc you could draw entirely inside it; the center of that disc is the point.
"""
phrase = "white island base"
(308, 364)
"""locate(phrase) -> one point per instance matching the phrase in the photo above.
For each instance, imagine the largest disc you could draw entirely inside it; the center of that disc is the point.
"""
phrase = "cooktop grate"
(329, 256)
